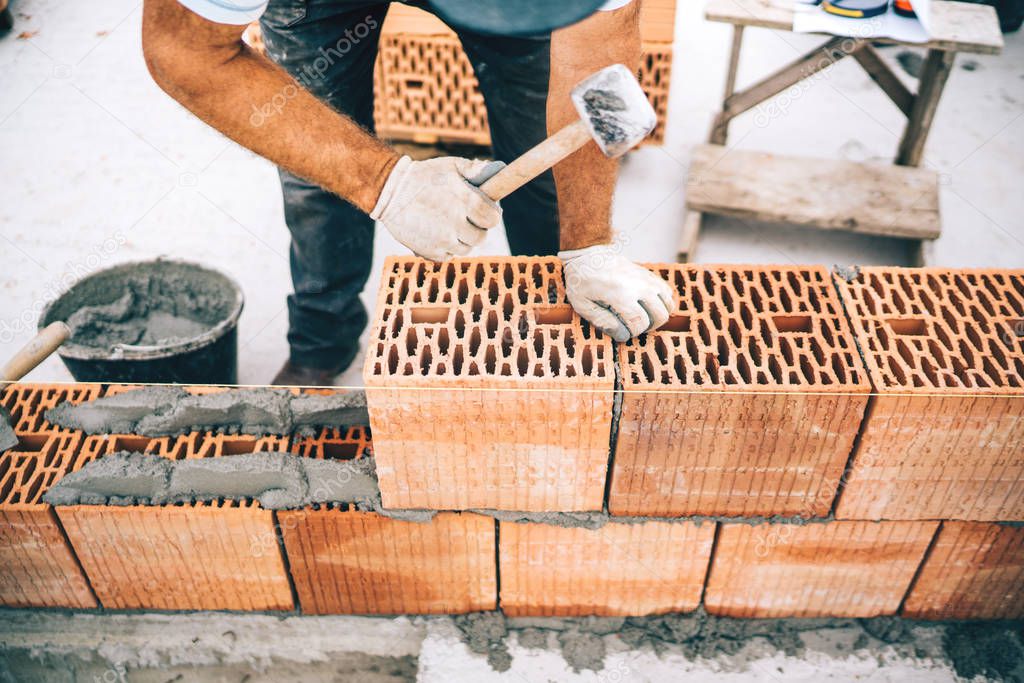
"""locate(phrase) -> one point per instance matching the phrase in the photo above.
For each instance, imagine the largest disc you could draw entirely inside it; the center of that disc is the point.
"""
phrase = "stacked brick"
(426, 91)
(219, 555)
(486, 390)
(944, 438)
(39, 568)
(746, 403)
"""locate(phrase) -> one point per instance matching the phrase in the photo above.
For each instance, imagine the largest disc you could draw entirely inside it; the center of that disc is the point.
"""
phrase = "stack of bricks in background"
(426, 90)
(944, 438)
(38, 566)
(217, 555)
(343, 561)
(746, 402)
(485, 389)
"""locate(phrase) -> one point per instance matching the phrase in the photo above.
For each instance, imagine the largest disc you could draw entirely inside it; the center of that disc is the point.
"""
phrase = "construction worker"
(312, 115)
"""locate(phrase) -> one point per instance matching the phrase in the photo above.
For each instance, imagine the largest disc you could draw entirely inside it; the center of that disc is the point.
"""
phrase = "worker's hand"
(616, 295)
(431, 208)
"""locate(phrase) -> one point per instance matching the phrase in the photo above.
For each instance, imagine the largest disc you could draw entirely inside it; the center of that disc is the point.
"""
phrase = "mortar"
(151, 321)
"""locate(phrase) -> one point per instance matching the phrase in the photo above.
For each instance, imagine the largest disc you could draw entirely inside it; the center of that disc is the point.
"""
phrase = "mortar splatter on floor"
(56, 645)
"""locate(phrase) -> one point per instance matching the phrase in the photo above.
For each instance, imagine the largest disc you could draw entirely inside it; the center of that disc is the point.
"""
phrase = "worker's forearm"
(235, 90)
(586, 180)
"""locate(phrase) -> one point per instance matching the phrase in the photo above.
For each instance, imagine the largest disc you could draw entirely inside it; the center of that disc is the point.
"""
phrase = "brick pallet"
(39, 567)
(944, 438)
(426, 91)
(468, 362)
(746, 403)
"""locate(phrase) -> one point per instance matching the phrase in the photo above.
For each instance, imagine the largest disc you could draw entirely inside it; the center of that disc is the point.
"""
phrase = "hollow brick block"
(348, 562)
(618, 570)
(944, 437)
(830, 569)
(747, 402)
(37, 565)
(485, 389)
(974, 570)
(426, 90)
(217, 556)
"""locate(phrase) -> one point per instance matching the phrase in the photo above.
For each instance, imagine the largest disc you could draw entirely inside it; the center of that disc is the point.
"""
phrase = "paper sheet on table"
(813, 19)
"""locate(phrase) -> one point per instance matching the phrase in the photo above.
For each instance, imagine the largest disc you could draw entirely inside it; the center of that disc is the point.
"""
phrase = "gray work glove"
(430, 206)
(616, 295)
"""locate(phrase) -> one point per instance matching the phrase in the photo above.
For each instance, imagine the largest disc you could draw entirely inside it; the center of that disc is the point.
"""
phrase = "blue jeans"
(330, 47)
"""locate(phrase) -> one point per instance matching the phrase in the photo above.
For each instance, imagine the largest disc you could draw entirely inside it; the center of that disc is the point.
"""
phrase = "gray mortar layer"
(8, 439)
(596, 520)
(277, 480)
(171, 411)
(986, 648)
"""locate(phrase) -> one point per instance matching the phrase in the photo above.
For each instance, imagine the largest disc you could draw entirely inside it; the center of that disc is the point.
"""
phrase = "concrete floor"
(101, 167)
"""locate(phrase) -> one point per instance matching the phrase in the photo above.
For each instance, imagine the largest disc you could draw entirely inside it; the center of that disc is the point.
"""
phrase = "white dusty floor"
(99, 167)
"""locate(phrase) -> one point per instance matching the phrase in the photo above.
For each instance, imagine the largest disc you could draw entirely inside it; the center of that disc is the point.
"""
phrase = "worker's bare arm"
(207, 68)
(586, 180)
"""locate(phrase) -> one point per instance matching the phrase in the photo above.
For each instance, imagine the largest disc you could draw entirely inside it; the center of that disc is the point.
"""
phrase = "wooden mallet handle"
(537, 160)
(35, 352)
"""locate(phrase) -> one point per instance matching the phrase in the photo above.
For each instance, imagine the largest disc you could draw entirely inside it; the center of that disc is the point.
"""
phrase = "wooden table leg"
(937, 66)
(688, 238)
(720, 131)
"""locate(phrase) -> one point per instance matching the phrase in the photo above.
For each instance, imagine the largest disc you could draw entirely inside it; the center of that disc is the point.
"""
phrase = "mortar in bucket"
(151, 321)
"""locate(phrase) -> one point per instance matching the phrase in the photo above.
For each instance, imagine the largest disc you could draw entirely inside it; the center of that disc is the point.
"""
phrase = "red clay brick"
(216, 556)
(222, 555)
(974, 570)
(617, 570)
(485, 389)
(746, 403)
(39, 568)
(944, 437)
(348, 562)
(840, 569)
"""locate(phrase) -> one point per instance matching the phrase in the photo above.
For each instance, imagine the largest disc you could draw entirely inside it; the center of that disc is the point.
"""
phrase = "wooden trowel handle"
(537, 160)
(35, 352)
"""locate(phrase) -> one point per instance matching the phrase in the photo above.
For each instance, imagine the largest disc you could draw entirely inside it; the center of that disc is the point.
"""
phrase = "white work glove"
(431, 208)
(616, 295)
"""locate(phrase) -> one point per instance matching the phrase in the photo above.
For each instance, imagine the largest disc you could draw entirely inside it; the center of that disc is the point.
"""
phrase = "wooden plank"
(823, 193)
(888, 81)
(936, 70)
(956, 26)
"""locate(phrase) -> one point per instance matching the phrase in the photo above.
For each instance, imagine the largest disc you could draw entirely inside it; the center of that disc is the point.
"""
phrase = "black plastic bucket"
(210, 357)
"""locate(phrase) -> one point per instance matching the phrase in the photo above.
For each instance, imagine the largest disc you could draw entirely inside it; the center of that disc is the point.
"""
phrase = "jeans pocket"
(285, 13)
